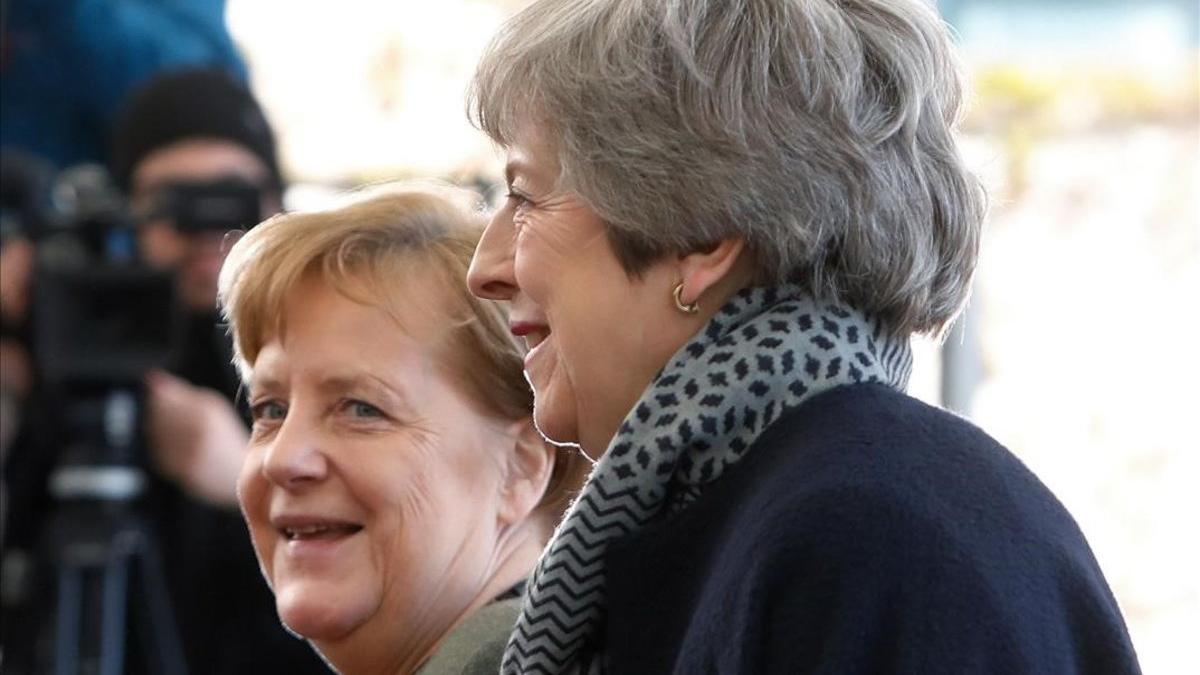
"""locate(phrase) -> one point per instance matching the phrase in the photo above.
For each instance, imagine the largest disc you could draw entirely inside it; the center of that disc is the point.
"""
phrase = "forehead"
(326, 330)
(405, 308)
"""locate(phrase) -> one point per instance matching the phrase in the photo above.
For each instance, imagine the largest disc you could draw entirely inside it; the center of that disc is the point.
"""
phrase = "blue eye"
(360, 409)
(268, 410)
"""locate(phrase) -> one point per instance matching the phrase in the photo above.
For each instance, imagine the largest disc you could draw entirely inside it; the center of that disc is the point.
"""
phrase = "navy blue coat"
(866, 532)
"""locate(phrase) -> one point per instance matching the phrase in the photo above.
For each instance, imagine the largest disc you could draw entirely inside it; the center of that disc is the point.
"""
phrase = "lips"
(309, 528)
(533, 332)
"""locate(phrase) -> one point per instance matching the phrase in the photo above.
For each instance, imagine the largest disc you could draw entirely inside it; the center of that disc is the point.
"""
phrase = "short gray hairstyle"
(821, 131)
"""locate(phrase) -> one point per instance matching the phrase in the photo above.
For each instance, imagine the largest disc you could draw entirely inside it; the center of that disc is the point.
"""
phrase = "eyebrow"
(519, 166)
(334, 385)
(342, 385)
(258, 384)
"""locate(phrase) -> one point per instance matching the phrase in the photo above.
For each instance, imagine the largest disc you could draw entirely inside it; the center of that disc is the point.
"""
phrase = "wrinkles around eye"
(517, 198)
(269, 415)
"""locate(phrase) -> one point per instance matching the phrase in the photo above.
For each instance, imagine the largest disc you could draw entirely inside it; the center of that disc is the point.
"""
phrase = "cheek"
(556, 405)
(252, 498)
(399, 485)
(542, 259)
(250, 483)
(587, 348)
(401, 502)
(442, 484)
(530, 276)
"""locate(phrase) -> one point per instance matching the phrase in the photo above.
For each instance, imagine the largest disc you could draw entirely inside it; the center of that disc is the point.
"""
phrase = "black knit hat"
(192, 103)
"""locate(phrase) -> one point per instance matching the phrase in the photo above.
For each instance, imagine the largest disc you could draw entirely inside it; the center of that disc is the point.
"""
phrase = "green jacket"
(476, 646)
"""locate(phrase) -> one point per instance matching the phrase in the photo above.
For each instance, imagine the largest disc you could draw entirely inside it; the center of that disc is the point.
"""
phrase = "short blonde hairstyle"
(369, 249)
(818, 130)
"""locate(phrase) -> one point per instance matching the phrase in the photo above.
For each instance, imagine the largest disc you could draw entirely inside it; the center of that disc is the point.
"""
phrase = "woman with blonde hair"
(725, 220)
(396, 492)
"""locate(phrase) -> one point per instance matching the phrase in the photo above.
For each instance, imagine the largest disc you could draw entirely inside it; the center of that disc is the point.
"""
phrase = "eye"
(267, 411)
(517, 199)
(266, 416)
(363, 410)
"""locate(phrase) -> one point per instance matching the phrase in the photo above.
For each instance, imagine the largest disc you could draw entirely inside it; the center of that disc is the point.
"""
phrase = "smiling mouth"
(534, 334)
(319, 531)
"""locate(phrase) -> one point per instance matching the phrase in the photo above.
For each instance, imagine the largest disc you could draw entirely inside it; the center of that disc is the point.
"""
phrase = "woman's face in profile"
(371, 484)
(595, 335)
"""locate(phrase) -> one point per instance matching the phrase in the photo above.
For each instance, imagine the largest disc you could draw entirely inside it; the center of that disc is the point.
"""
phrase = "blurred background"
(1078, 350)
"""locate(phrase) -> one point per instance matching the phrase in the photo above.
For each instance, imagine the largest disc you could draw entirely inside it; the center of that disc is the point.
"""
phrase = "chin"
(317, 616)
(555, 427)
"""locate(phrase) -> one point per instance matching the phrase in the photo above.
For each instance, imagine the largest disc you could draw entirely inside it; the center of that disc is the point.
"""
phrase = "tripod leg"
(112, 619)
(90, 620)
(164, 649)
(103, 560)
(67, 621)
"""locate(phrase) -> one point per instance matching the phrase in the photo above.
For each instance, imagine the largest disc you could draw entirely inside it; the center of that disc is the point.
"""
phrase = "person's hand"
(16, 378)
(196, 437)
(16, 273)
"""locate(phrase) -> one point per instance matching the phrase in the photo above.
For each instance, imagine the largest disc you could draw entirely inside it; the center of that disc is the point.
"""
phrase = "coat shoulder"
(868, 532)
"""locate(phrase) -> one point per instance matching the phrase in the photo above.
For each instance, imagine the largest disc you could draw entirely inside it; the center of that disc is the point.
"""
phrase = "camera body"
(100, 317)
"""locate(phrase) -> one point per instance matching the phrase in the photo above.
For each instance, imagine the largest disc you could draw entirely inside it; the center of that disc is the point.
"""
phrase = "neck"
(518, 551)
(383, 652)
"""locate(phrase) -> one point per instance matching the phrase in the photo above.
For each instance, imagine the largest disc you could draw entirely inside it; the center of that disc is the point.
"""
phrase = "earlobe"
(530, 463)
(706, 269)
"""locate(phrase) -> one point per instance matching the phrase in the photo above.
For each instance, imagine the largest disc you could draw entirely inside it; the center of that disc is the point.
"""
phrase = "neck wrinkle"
(516, 552)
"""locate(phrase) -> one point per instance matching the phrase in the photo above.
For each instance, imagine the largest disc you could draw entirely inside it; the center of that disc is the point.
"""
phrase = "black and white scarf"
(765, 352)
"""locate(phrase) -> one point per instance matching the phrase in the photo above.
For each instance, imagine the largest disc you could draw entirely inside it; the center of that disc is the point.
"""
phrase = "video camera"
(100, 319)
(103, 316)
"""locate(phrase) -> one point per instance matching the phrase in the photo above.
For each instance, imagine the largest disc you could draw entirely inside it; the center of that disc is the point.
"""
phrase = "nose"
(491, 273)
(294, 459)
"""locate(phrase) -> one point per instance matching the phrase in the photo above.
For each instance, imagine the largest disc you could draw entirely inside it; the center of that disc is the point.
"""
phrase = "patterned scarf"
(764, 353)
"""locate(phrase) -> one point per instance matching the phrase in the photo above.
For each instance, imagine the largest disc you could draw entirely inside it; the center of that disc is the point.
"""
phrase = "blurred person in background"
(188, 127)
(200, 126)
(396, 491)
(725, 221)
(194, 127)
(24, 181)
(66, 67)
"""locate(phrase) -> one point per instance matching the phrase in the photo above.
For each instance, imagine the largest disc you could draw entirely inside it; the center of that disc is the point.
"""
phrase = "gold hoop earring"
(686, 309)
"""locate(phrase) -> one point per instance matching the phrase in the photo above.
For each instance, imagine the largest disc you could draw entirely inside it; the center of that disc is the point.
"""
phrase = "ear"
(528, 468)
(703, 270)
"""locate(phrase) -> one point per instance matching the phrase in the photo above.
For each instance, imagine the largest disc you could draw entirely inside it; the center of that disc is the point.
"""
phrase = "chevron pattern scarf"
(764, 353)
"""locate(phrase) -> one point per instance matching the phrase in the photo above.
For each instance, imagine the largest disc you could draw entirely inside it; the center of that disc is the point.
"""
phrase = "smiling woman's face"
(596, 336)
(371, 484)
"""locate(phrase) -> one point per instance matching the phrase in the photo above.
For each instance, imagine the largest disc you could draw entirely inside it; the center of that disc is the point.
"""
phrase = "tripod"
(103, 556)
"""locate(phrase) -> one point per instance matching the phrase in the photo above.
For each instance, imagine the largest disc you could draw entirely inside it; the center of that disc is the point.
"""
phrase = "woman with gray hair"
(725, 220)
